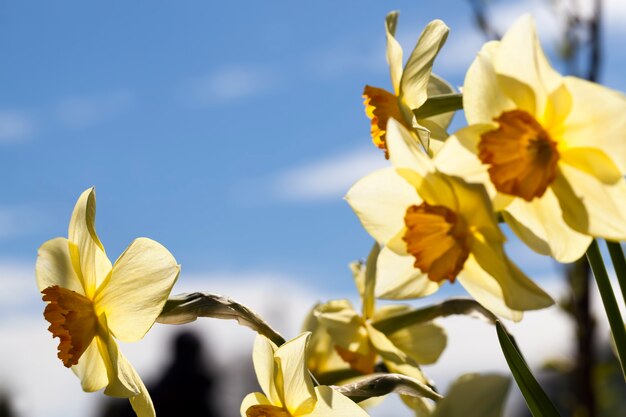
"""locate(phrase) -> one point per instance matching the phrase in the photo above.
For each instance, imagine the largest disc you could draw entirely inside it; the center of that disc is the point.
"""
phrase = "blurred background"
(229, 133)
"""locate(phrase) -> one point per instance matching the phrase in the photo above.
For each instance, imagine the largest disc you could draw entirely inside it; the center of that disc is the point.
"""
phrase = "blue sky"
(228, 132)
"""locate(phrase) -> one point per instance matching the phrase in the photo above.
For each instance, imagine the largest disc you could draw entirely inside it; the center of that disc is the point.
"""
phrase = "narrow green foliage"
(538, 402)
(440, 104)
(619, 264)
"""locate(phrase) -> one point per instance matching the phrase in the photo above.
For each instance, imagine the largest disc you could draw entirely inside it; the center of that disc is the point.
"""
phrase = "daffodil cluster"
(543, 152)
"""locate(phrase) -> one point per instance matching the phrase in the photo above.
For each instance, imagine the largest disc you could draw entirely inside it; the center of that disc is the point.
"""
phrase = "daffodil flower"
(287, 386)
(552, 149)
(354, 338)
(436, 228)
(412, 86)
(90, 302)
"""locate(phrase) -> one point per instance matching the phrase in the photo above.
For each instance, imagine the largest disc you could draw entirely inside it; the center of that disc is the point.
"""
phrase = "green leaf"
(185, 308)
(538, 402)
(474, 395)
(440, 104)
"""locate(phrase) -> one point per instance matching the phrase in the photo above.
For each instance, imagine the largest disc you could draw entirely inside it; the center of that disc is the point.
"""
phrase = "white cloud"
(328, 178)
(81, 112)
(231, 83)
(15, 126)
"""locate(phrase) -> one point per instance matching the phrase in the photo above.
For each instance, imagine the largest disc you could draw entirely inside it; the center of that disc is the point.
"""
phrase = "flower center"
(265, 410)
(438, 239)
(380, 105)
(523, 157)
(72, 319)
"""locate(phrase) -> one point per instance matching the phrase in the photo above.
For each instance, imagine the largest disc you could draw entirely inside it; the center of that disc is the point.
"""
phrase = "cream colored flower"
(552, 149)
(339, 331)
(287, 386)
(91, 302)
(437, 227)
(412, 85)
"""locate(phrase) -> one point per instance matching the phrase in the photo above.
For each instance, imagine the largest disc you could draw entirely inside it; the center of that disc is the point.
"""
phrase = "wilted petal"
(54, 267)
(133, 295)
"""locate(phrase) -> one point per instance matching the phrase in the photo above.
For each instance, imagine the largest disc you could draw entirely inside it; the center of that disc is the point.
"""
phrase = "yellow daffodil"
(550, 149)
(354, 338)
(287, 386)
(412, 86)
(437, 227)
(91, 302)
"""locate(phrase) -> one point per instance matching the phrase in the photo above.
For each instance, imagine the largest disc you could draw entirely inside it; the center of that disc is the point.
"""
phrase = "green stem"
(609, 301)
(619, 263)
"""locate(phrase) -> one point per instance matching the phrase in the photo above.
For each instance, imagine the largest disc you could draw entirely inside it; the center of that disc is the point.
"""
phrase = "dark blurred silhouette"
(5, 406)
(187, 387)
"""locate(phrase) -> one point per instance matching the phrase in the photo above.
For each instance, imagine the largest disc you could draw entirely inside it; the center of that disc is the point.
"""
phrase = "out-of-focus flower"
(341, 332)
(91, 302)
(412, 85)
(437, 227)
(287, 386)
(552, 149)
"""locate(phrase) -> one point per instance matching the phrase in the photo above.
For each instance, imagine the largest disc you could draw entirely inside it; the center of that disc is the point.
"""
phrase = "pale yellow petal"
(594, 162)
(133, 295)
(265, 368)
(321, 355)
(255, 398)
(521, 58)
(380, 201)
(484, 395)
(483, 100)
(299, 393)
(121, 375)
(124, 380)
(331, 403)
(91, 369)
(540, 224)
(438, 86)
(404, 150)
(383, 345)
(416, 75)
(54, 266)
(398, 279)
(486, 290)
(519, 292)
(394, 51)
(343, 324)
(86, 250)
(422, 342)
(596, 120)
(458, 156)
(590, 206)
